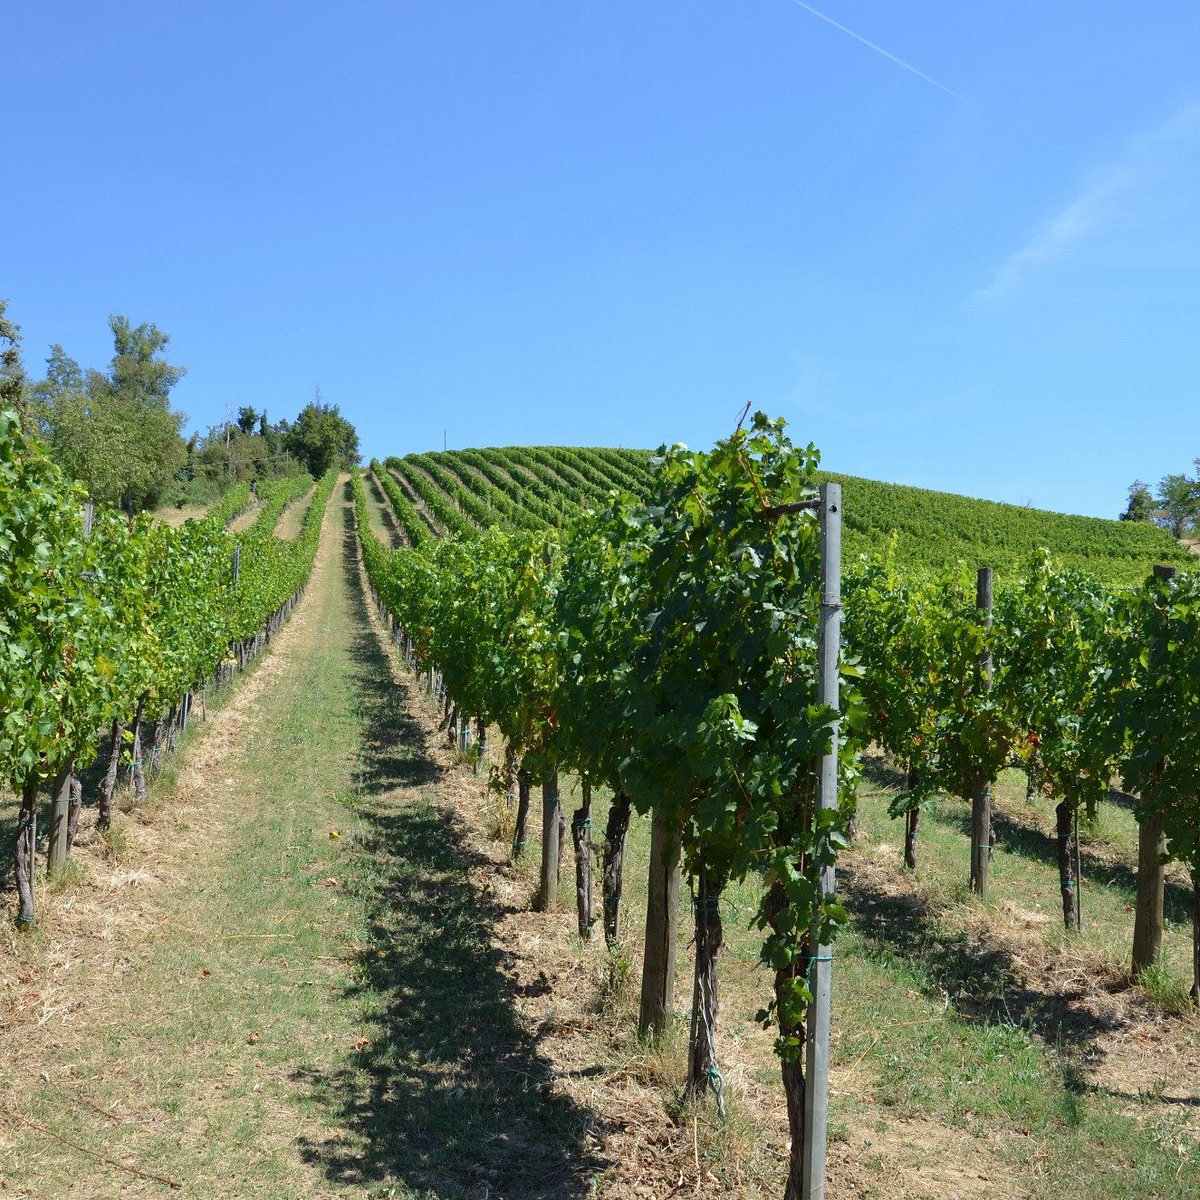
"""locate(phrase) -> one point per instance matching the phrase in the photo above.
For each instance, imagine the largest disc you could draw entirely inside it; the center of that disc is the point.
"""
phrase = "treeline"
(115, 432)
(1174, 504)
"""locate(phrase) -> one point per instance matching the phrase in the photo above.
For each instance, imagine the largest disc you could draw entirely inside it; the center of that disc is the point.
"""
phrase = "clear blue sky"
(955, 244)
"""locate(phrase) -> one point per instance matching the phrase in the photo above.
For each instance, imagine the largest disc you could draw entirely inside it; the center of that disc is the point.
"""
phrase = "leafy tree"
(137, 372)
(115, 431)
(12, 376)
(1179, 500)
(1141, 503)
(322, 438)
(247, 418)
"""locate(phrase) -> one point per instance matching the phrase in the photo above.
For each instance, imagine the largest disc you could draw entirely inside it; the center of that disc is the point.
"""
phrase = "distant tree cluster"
(1175, 506)
(250, 447)
(115, 430)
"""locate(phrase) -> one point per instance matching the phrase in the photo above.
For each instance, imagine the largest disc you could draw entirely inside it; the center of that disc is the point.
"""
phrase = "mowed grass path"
(317, 1009)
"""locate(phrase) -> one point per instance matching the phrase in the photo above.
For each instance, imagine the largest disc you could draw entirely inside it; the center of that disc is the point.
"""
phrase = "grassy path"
(307, 1002)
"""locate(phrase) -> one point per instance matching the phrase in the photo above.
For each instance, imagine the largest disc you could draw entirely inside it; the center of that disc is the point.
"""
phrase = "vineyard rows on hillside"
(539, 487)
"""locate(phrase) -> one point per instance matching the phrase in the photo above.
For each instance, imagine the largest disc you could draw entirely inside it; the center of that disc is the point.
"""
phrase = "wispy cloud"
(1129, 193)
(858, 37)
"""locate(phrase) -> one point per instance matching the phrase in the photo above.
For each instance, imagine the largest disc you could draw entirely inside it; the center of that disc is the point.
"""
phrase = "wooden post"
(1152, 847)
(551, 821)
(60, 838)
(816, 1093)
(981, 801)
(60, 803)
(662, 918)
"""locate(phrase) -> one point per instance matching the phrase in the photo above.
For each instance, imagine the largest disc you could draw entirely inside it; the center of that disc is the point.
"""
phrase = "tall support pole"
(1148, 913)
(981, 801)
(816, 1094)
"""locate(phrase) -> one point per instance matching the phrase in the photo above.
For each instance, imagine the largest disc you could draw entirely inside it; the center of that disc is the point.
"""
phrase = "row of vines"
(665, 650)
(107, 627)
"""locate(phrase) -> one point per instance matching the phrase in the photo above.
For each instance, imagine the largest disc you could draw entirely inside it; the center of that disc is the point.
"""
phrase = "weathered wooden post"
(60, 806)
(662, 917)
(981, 801)
(551, 834)
(1151, 879)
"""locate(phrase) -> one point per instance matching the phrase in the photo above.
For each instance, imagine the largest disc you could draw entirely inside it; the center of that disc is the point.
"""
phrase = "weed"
(1168, 991)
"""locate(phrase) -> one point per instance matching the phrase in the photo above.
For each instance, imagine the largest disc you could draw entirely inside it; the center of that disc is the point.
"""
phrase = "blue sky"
(956, 245)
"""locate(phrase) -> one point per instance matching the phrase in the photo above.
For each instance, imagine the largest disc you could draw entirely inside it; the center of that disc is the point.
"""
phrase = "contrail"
(858, 37)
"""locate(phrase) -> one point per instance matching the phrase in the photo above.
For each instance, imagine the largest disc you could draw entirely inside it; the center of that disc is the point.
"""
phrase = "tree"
(322, 438)
(12, 377)
(136, 372)
(1179, 500)
(115, 431)
(1141, 503)
(247, 418)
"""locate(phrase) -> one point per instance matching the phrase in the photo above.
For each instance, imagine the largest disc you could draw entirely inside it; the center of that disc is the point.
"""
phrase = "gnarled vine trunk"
(581, 837)
(24, 851)
(553, 825)
(1063, 814)
(138, 767)
(614, 865)
(1195, 940)
(791, 1064)
(109, 784)
(703, 1074)
(76, 803)
(912, 824)
(521, 828)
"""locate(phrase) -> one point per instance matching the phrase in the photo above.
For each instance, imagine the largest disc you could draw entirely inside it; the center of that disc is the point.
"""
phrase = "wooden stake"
(662, 916)
(981, 801)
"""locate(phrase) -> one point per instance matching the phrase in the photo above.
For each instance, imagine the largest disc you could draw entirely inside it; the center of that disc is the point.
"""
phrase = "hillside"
(458, 491)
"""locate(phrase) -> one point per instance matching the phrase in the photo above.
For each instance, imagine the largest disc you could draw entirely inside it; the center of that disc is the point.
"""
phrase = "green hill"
(457, 491)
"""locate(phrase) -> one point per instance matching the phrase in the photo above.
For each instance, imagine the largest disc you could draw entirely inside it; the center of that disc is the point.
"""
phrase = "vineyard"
(464, 491)
(670, 706)
(659, 643)
(111, 627)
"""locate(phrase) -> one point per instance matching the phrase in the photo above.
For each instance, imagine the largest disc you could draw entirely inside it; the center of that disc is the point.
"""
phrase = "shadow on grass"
(983, 984)
(1017, 835)
(450, 1096)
